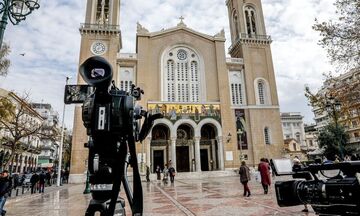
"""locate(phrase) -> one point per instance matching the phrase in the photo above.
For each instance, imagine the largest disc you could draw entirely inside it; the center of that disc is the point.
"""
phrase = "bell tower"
(101, 36)
(250, 43)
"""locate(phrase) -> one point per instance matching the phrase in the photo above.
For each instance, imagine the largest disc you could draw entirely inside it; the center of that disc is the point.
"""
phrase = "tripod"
(125, 156)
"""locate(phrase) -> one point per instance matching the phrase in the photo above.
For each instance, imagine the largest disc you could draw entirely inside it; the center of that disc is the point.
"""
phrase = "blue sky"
(51, 41)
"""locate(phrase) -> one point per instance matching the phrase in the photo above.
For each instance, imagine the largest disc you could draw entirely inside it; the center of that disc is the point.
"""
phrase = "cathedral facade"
(218, 110)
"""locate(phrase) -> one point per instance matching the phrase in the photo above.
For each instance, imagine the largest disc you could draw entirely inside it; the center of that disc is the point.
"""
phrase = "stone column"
(221, 152)
(213, 154)
(173, 152)
(197, 154)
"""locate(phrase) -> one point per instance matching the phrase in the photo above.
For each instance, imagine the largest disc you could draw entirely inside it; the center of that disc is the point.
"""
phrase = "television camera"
(112, 121)
(331, 189)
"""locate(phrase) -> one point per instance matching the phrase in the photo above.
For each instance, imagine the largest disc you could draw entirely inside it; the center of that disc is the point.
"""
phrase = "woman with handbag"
(244, 172)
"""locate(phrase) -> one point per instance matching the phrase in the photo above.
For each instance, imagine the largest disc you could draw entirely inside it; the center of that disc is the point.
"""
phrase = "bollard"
(23, 188)
(17, 191)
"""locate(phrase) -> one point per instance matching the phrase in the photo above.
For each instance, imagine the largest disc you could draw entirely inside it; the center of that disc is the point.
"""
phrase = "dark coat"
(5, 186)
(42, 178)
(34, 178)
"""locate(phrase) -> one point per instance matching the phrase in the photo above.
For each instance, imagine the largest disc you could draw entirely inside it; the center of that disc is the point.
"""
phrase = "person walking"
(5, 189)
(244, 172)
(158, 172)
(48, 178)
(165, 174)
(147, 173)
(33, 180)
(265, 175)
(42, 178)
(172, 173)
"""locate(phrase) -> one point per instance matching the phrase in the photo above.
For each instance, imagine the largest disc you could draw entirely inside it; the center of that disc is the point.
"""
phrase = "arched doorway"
(160, 146)
(185, 160)
(208, 148)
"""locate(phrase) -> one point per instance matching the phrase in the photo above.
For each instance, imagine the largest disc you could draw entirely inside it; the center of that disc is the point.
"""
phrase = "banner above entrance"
(196, 112)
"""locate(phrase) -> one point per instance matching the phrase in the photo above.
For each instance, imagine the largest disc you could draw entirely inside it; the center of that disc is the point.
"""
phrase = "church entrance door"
(204, 157)
(182, 159)
(158, 159)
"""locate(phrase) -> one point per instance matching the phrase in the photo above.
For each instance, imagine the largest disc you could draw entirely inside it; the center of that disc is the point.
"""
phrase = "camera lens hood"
(96, 71)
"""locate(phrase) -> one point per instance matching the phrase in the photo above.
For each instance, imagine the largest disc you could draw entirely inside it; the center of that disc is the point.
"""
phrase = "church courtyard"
(212, 196)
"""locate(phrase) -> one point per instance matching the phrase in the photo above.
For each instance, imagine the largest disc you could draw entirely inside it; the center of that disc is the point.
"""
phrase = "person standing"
(42, 178)
(147, 173)
(166, 174)
(244, 172)
(33, 180)
(264, 170)
(172, 173)
(158, 172)
(5, 189)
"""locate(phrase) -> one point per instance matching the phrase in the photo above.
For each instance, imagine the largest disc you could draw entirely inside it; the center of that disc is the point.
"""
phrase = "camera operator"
(5, 189)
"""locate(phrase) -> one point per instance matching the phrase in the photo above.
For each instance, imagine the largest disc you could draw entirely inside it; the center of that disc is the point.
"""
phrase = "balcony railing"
(100, 27)
(252, 38)
(127, 55)
(235, 60)
(354, 139)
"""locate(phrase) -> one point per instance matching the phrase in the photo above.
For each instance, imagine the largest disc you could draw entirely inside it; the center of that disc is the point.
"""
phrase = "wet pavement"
(212, 196)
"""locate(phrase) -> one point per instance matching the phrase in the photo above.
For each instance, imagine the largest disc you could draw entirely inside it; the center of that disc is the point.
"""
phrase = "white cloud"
(51, 41)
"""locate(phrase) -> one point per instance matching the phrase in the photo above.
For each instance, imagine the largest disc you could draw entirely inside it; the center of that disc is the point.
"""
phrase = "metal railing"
(354, 139)
(105, 27)
(127, 55)
(250, 37)
(235, 60)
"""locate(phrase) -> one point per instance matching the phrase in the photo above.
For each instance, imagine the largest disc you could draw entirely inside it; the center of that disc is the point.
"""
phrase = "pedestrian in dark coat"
(264, 170)
(48, 178)
(42, 179)
(244, 172)
(147, 173)
(158, 172)
(5, 189)
(34, 180)
(172, 173)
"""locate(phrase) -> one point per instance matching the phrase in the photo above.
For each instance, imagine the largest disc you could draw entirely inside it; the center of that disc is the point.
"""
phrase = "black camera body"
(112, 121)
(338, 194)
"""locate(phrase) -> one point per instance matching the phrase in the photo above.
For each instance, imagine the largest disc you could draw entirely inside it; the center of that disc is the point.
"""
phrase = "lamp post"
(333, 106)
(61, 143)
(239, 133)
(15, 11)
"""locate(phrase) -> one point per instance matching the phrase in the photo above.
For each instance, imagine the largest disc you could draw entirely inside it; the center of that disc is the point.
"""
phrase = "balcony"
(250, 39)
(99, 28)
(132, 56)
(238, 61)
(354, 139)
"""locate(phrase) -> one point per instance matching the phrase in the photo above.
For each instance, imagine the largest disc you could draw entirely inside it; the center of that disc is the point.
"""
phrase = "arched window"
(267, 136)
(102, 12)
(126, 78)
(236, 88)
(250, 20)
(236, 24)
(261, 91)
(181, 75)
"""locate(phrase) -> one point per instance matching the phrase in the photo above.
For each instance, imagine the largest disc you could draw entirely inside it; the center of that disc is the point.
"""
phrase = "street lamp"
(16, 11)
(61, 143)
(332, 107)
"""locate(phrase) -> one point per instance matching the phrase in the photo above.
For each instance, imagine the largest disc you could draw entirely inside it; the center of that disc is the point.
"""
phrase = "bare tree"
(21, 126)
(340, 36)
